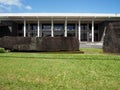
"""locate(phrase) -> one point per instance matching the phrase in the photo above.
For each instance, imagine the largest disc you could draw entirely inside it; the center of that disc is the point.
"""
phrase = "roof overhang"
(59, 16)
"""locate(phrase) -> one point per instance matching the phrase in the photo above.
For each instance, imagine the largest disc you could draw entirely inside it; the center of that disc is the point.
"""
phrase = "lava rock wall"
(40, 43)
(112, 38)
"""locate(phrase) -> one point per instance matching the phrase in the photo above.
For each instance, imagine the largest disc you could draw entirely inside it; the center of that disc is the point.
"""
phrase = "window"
(46, 27)
(20, 26)
(70, 27)
(96, 26)
(34, 27)
(83, 26)
(58, 27)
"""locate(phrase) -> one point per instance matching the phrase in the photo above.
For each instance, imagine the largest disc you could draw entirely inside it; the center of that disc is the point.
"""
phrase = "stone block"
(112, 38)
(40, 43)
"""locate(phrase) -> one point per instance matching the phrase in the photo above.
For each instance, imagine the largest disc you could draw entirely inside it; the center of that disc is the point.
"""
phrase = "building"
(87, 27)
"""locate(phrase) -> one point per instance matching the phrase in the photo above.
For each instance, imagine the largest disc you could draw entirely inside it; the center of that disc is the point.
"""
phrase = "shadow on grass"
(73, 57)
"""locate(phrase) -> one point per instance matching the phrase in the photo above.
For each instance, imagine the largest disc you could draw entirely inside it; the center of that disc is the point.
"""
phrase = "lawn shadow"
(66, 57)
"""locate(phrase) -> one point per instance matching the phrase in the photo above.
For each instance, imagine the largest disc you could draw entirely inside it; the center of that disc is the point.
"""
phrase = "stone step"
(91, 45)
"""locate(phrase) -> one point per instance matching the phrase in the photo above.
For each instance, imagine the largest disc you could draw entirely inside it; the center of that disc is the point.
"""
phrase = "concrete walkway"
(91, 45)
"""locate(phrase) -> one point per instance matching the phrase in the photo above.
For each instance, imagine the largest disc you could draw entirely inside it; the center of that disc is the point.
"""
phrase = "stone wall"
(112, 38)
(40, 44)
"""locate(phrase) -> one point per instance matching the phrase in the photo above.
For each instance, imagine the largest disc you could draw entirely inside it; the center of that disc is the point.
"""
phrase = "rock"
(112, 38)
(40, 43)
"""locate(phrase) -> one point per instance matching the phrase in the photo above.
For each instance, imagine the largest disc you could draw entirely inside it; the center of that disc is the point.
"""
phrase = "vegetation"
(2, 50)
(60, 71)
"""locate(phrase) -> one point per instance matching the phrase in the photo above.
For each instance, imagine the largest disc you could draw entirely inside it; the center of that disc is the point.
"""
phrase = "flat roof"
(59, 16)
(94, 15)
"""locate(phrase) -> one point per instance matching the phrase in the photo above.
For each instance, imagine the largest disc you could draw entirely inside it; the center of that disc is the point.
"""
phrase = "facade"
(86, 27)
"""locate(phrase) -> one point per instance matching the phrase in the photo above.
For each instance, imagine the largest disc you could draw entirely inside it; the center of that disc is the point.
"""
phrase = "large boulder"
(112, 38)
(40, 43)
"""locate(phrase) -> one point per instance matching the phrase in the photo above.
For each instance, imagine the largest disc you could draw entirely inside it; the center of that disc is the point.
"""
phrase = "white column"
(24, 28)
(38, 29)
(92, 30)
(52, 26)
(79, 30)
(65, 35)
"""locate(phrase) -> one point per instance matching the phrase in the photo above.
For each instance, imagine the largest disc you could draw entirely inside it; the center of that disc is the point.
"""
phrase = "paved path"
(91, 45)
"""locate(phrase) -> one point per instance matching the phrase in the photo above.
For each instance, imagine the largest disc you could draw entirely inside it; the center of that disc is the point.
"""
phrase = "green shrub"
(2, 50)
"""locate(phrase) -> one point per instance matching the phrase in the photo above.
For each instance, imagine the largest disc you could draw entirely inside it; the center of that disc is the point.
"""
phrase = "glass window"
(34, 27)
(71, 27)
(20, 26)
(46, 26)
(58, 27)
(96, 26)
(83, 26)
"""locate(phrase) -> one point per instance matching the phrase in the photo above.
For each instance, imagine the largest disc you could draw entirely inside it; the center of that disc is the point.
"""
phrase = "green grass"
(60, 71)
(92, 50)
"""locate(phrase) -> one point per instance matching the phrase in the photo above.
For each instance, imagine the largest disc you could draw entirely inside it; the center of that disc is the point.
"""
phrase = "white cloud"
(28, 7)
(6, 5)
(11, 2)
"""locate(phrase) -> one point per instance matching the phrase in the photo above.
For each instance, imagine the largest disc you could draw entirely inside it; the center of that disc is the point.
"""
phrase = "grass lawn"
(92, 70)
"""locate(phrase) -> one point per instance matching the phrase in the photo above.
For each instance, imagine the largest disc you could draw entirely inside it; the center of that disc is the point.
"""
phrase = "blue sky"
(60, 6)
